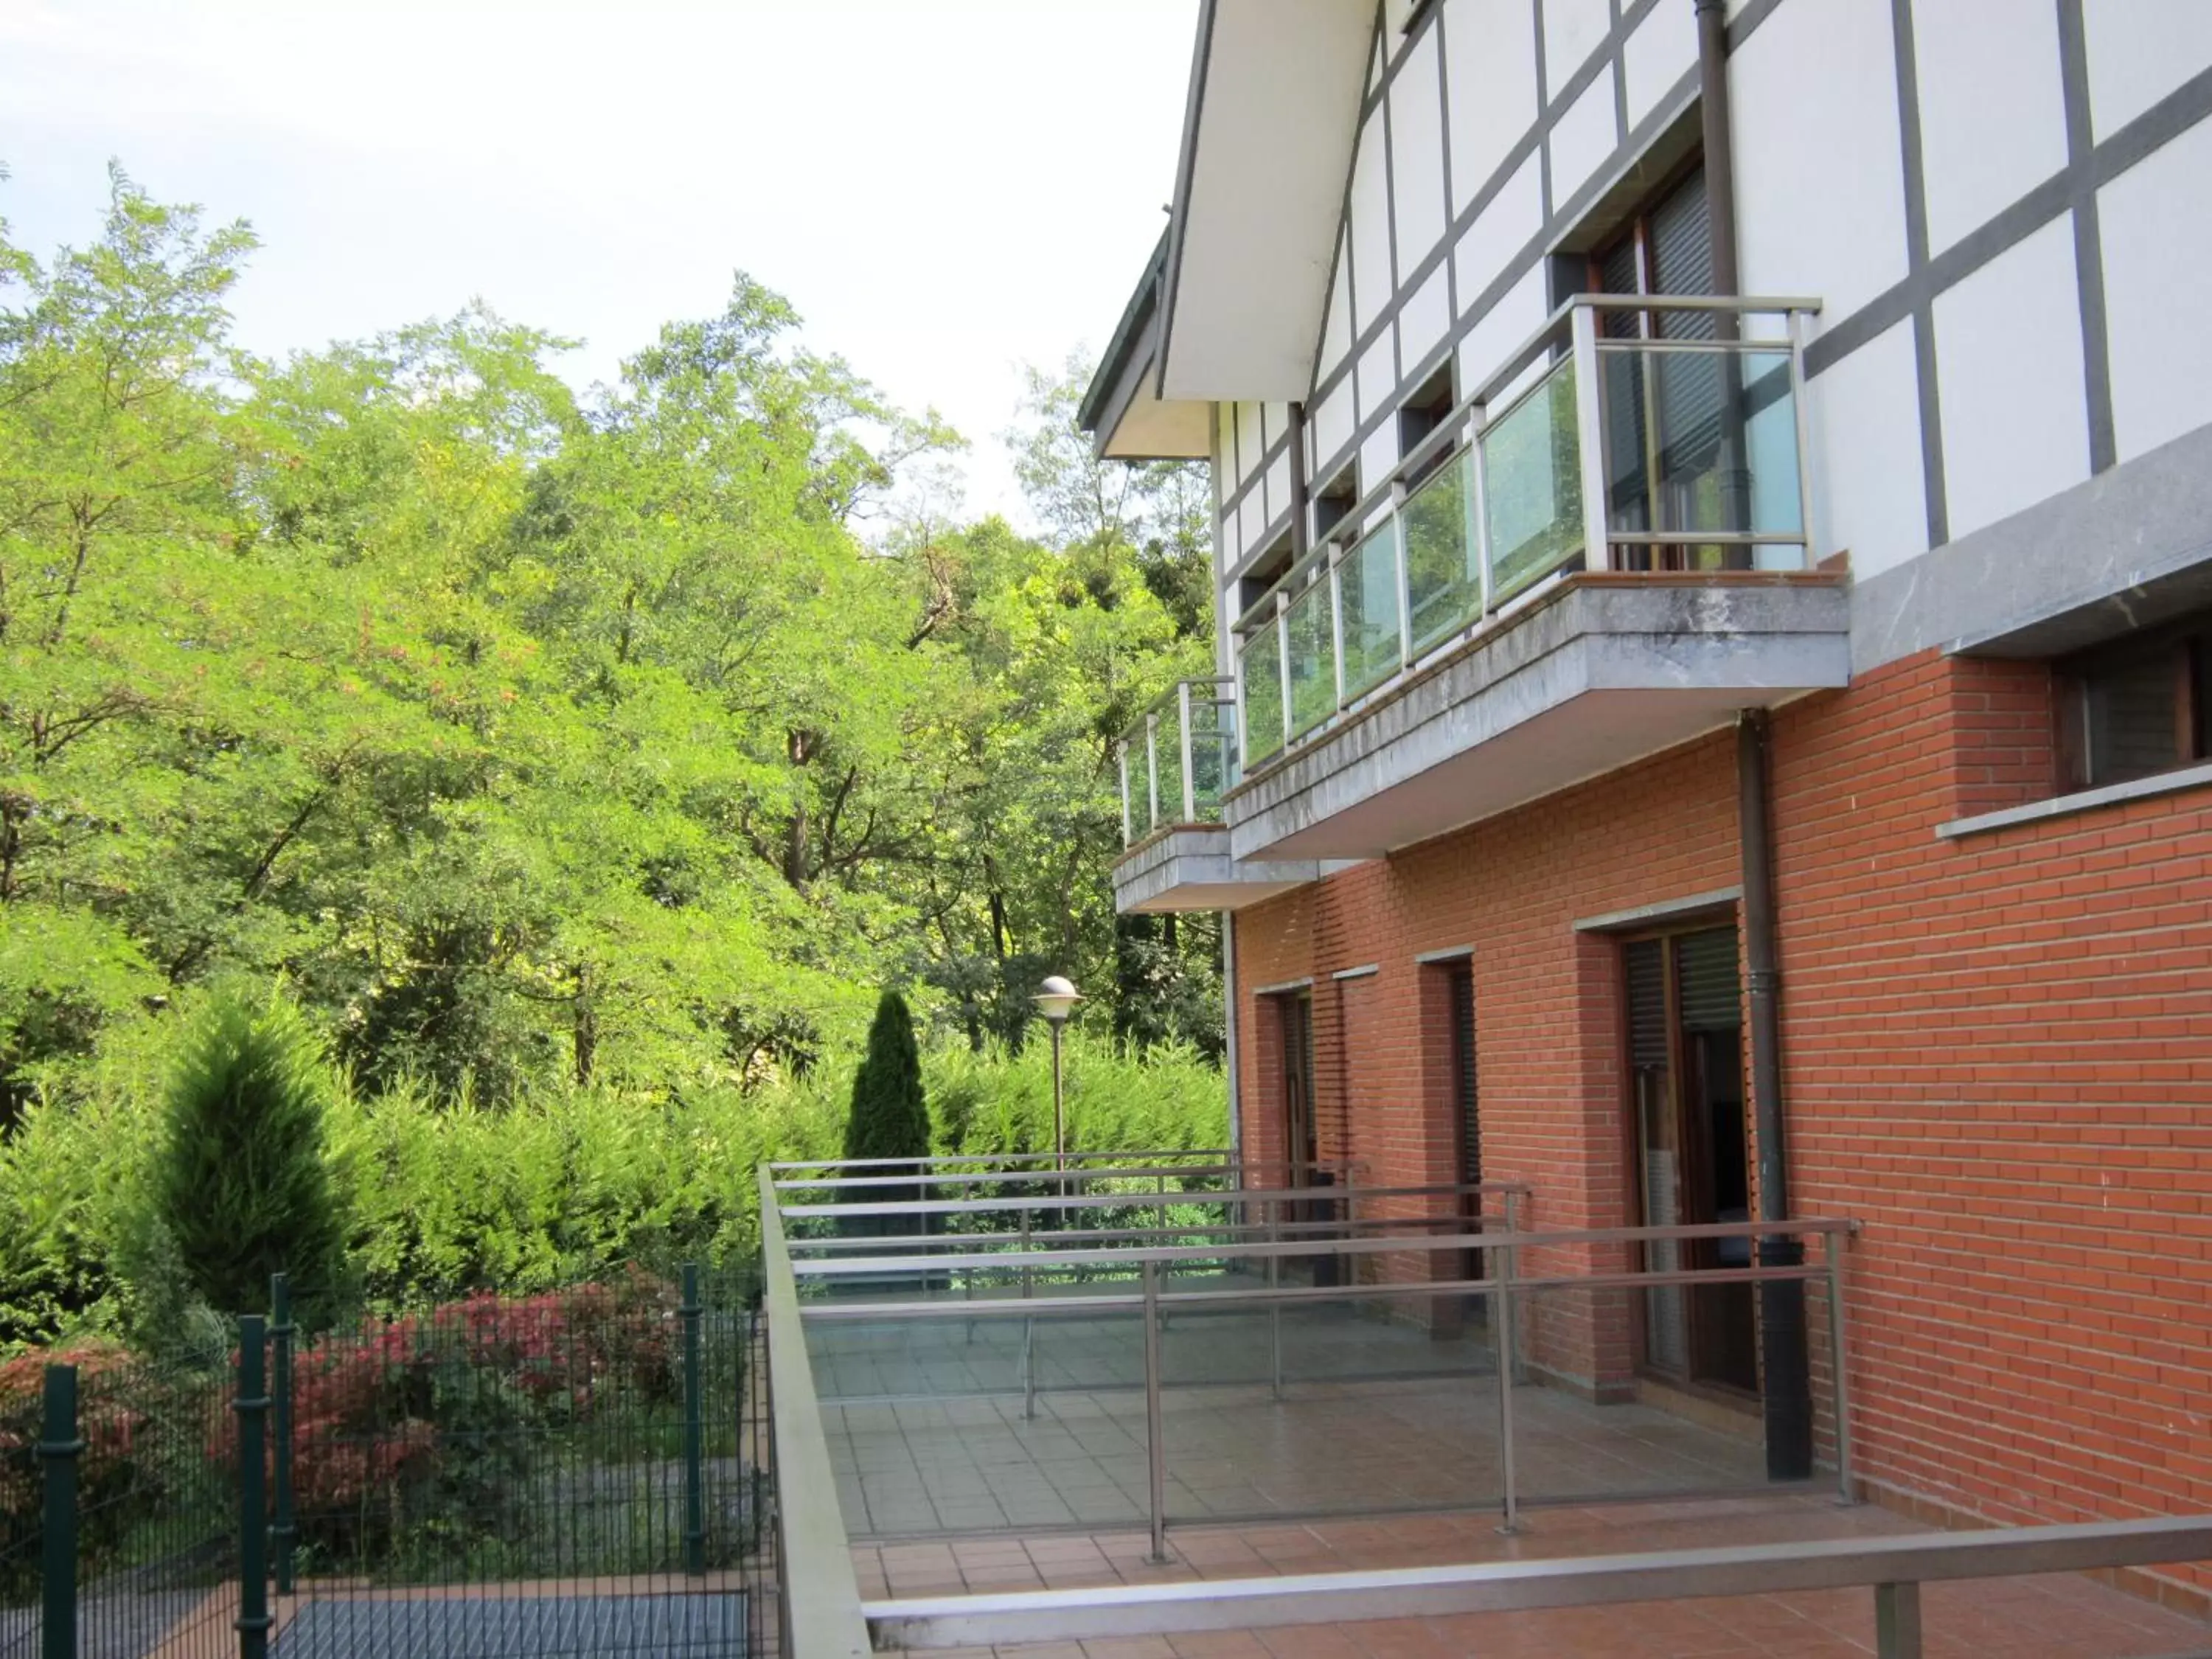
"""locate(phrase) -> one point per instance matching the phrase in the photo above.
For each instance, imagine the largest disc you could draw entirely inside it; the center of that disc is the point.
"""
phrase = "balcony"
(1177, 762)
(1603, 552)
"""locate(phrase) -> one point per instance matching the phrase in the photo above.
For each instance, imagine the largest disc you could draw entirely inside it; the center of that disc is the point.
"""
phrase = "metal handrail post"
(1156, 1451)
(1839, 1367)
(1182, 724)
(1274, 1308)
(1029, 1330)
(1152, 767)
(1589, 429)
(1897, 1621)
(1509, 1486)
(1796, 323)
(1121, 750)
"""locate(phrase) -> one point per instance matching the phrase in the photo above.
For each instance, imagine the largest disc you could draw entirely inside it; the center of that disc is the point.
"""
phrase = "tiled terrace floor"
(2066, 1616)
(1374, 1416)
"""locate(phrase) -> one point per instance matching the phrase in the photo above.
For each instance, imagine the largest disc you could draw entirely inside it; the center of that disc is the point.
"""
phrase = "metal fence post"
(1897, 1621)
(1509, 1491)
(281, 1333)
(58, 1446)
(1156, 1451)
(695, 1470)
(251, 1407)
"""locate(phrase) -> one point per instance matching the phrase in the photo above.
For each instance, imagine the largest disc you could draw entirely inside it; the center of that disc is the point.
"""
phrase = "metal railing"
(1681, 446)
(1894, 1568)
(1179, 758)
(1402, 1246)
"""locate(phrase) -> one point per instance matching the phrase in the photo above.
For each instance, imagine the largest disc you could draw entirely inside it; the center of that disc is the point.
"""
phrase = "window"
(2139, 707)
(1421, 414)
(1333, 502)
(1269, 568)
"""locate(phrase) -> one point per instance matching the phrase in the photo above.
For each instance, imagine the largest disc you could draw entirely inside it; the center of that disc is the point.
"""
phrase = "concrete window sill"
(2086, 800)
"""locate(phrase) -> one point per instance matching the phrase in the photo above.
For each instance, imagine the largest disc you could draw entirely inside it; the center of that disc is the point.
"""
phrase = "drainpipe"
(1301, 520)
(1786, 1375)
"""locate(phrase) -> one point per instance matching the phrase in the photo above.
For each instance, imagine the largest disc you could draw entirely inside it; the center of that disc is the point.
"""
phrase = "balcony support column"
(1786, 1385)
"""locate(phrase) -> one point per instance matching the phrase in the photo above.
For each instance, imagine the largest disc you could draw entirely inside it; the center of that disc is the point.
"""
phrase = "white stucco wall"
(1820, 190)
(1490, 66)
(1584, 137)
(2139, 51)
(1417, 153)
(1371, 281)
(1992, 111)
(1661, 50)
(1868, 493)
(2008, 363)
(2156, 220)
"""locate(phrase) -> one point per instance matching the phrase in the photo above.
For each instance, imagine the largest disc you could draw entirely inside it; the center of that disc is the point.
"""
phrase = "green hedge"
(447, 1199)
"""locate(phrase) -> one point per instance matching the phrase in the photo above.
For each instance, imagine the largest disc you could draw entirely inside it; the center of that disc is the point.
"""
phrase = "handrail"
(1162, 1255)
(1894, 1567)
(819, 1592)
(1159, 704)
(1157, 1155)
(1182, 1172)
(1047, 1203)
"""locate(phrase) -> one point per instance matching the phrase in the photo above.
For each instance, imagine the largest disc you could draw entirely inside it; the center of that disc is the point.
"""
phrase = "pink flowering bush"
(433, 1419)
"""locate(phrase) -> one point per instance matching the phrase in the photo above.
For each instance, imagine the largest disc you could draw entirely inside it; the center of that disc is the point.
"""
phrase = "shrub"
(436, 1423)
(241, 1187)
(891, 1116)
(123, 1474)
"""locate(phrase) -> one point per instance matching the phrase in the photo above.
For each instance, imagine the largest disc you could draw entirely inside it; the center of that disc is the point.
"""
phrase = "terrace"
(1017, 1402)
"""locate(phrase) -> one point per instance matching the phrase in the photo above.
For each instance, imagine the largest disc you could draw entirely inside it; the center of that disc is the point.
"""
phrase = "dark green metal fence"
(581, 1472)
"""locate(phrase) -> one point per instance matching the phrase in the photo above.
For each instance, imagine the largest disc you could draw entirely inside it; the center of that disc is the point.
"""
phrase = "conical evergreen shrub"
(241, 1187)
(889, 1116)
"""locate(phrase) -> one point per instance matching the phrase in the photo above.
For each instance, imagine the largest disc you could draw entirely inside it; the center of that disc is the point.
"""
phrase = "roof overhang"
(1122, 409)
(1268, 132)
(1230, 305)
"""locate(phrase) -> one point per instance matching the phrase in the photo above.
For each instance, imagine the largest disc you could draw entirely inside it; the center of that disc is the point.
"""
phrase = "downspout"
(1785, 1373)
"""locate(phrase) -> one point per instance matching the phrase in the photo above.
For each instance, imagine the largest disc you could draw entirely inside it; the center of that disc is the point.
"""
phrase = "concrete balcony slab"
(1186, 866)
(1600, 670)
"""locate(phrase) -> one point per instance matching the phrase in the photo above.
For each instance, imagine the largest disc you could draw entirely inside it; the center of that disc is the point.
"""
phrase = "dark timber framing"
(2089, 235)
(1916, 261)
(2090, 166)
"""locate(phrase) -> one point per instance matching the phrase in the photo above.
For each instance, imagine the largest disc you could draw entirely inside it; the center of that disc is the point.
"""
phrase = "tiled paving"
(1373, 1416)
(2062, 1617)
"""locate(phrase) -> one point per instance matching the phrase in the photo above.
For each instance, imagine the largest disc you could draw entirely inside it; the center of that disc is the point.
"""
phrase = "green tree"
(241, 1187)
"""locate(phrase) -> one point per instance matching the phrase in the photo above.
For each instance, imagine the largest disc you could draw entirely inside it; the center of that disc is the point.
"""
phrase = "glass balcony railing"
(1657, 434)
(1180, 758)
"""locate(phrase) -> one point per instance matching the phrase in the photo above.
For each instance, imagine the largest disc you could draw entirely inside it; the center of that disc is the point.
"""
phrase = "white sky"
(943, 188)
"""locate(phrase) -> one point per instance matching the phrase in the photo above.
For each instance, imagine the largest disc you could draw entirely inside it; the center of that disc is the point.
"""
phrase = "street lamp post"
(1056, 1000)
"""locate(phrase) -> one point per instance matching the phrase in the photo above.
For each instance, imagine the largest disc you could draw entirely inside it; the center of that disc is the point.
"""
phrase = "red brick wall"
(1997, 1055)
